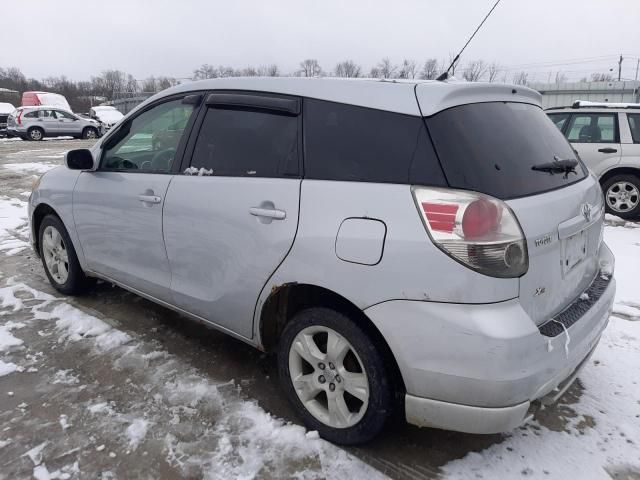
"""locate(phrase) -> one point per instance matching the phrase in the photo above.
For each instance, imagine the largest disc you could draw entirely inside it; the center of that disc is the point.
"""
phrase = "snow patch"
(9, 367)
(31, 166)
(136, 432)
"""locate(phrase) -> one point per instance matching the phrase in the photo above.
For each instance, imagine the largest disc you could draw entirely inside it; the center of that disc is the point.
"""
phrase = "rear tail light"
(477, 230)
(19, 117)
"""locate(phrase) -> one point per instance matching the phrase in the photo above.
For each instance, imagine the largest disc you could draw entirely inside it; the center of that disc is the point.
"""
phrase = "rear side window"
(491, 147)
(33, 114)
(559, 119)
(634, 126)
(243, 142)
(593, 128)
(349, 143)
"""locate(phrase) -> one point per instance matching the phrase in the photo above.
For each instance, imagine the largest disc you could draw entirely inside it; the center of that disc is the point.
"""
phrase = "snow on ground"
(32, 167)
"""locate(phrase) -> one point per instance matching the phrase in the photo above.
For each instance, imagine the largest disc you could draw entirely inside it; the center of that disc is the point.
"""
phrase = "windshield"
(492, 147)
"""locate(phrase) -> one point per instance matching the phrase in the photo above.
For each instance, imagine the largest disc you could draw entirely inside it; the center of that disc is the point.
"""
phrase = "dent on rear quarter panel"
(411, 266)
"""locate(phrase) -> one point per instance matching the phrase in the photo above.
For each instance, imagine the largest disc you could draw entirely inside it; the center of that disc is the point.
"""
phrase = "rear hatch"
(491, 148)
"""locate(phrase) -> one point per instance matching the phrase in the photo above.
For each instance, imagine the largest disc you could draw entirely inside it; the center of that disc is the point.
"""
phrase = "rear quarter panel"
(411, 267)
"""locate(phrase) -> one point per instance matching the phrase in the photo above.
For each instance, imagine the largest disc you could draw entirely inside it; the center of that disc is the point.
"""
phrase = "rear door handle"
(149, 198)
(608, 150)
(268, 213)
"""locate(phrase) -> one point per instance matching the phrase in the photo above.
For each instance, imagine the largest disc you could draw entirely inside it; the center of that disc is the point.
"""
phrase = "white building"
(564, 94)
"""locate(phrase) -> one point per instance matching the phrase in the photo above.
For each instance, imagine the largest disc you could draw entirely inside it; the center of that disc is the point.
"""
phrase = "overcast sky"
(80, 38)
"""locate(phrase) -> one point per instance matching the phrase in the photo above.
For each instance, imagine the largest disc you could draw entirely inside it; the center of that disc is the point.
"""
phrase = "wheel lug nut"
(321, 379)
(332, 386)
(321, 366)
(332, 366)
(338, 379)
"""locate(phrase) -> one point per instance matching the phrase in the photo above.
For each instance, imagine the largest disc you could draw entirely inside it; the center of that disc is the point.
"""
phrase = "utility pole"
(620, 67)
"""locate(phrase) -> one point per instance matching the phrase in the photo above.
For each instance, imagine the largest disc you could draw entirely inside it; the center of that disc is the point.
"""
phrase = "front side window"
(593, 128)
(634, 126)
(149, 141)
(61, 114)
(244, 142)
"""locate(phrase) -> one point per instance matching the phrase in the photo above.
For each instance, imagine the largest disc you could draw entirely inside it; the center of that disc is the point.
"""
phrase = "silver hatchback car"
(36, 123)
(432, 249)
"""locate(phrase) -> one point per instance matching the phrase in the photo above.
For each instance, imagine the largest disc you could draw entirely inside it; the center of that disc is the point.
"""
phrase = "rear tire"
(89, 133)
(343, 392)
(59, 258)
(622, 196)
(35, 134)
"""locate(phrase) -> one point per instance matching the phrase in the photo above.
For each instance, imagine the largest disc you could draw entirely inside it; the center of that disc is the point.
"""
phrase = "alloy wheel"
(623, 196)
(328, 376)
(55, 255)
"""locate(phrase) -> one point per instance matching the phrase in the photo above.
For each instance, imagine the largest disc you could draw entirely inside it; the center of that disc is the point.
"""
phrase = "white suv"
(607, 138)
(405, 247)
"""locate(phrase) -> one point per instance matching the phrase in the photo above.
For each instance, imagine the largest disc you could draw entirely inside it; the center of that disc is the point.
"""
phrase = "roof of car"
(391, 95)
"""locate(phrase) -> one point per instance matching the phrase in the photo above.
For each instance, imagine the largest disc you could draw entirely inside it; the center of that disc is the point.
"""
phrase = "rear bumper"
(479, 368)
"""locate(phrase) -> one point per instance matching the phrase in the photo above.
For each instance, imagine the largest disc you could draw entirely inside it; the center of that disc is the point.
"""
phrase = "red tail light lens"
(476, 230)
(19, 117)
(481, 218)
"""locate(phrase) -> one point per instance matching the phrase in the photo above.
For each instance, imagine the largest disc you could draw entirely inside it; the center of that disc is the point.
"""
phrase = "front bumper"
(478, 368)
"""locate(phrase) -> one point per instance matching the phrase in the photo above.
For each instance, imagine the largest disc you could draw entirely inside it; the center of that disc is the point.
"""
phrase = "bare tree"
(601, 77)
(384, 69)
(493, 71)
(205, 71)
(408, 69)
(560, 77)
(474, 71)
(521, 78)
(430, 69)
(347, 69)
(271, 70)
(310, 68)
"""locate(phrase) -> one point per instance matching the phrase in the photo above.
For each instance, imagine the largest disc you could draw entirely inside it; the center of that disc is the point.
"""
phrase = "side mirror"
(80, 159)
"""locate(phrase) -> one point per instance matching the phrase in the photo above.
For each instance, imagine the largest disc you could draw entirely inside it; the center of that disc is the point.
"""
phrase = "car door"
(630, 140)
(67, 124)
(118, 208)
(48, 121)
(596, 138)
(231, 217)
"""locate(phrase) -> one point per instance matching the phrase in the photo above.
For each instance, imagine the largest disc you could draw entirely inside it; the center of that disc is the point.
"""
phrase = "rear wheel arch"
(619, 171)
(288, 299)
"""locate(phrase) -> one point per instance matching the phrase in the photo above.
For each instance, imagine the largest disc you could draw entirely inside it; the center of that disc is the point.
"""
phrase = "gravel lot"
(112, 386)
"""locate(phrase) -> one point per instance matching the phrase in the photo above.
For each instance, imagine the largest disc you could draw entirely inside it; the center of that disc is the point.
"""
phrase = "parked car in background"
(5, 110)
(107, 116)
(382, 238)
(34, 99)
(607, 138)
(36, 123)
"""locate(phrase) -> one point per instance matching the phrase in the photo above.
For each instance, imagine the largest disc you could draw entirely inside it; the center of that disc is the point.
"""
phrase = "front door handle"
(608, 150)
(273, 213)
(149, 198)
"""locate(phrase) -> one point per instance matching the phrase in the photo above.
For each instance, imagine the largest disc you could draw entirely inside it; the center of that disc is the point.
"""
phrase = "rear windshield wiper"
(565, 166)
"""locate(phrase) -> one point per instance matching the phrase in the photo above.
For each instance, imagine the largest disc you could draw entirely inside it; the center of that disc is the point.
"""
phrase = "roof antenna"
(445, 75)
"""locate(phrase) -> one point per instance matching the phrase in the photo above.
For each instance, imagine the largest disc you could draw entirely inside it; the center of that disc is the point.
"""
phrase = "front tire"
(622, 196)
(59, 258)
(334, 376)
(89, 133)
